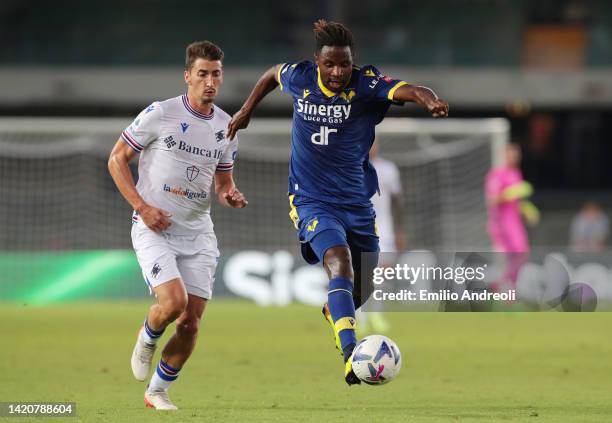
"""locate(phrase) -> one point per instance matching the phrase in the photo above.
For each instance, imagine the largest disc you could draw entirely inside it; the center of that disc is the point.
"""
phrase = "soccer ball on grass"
(376, 360)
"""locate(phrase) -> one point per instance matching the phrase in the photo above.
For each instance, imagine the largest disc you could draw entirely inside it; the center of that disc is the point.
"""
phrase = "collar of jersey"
(322, 87)
(195, 112)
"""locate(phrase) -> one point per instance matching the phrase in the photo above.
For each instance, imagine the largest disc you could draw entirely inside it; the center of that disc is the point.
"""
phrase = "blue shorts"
(322, 225)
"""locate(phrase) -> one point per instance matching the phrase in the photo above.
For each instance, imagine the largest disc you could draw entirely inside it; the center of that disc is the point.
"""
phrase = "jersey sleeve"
(377, 86)
(144, 129)
(292, 78)
(226, 163)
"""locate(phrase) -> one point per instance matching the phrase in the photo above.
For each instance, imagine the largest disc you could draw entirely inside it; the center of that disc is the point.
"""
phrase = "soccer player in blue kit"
(336, 107)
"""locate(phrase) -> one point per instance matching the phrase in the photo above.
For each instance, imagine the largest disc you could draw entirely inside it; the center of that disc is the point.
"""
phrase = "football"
(376, 360)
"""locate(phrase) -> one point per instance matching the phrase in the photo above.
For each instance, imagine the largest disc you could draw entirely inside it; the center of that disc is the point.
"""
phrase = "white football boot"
(142, 357)
(159, 400)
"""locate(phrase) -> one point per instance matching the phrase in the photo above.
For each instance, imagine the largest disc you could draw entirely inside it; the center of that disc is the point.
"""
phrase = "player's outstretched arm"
(423, 96)
(266, 84)
(227, 193)
(156, 219)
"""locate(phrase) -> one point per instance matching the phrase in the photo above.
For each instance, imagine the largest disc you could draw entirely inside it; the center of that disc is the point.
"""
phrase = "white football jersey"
(389, 184)
(181, 151)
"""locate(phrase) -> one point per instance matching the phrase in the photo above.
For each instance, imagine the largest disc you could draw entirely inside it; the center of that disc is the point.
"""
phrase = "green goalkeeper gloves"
(530, 212)
(517, 191)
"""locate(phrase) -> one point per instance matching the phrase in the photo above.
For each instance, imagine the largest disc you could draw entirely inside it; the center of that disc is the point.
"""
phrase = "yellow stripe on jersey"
(293, 214)
(323, 88)
(392, 90)
(278, 77)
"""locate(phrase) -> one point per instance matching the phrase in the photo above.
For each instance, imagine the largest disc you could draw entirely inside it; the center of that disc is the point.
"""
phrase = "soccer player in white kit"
(388, 206)
(183, 147)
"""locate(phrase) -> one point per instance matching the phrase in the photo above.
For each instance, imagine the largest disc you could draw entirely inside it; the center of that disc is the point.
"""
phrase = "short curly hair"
(332, 34)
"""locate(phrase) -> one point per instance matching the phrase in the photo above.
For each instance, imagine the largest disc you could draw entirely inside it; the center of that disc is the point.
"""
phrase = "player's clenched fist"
(156, 219)
(235, 198)
(240, 120)
(437, 107)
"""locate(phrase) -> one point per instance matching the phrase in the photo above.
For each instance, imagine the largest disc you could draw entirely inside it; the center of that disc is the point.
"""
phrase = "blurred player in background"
(336, 108)
(388, 205)
(507, 196)
(589, 229)
(184, 146)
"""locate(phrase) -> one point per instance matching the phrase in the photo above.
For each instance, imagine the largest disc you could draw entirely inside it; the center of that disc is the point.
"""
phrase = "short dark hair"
(202, 50)
(332, 34)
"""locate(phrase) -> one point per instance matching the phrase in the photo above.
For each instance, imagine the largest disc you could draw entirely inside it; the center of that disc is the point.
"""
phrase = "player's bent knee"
(337, 262)
(174, 307)
(172, 298)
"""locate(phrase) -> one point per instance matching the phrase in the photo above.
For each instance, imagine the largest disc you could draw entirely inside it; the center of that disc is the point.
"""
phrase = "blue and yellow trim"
(278, 77)
(293, 213)
(392, 90)
(322, 87)
(345, 323)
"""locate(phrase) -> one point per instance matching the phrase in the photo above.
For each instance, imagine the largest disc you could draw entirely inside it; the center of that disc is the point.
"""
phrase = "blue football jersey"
(332, 132)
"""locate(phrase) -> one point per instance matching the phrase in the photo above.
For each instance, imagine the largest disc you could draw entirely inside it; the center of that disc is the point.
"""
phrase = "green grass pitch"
(279, 364)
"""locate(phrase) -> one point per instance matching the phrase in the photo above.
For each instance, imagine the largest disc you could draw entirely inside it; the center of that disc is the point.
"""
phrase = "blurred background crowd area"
(545, 65)
(441, 33)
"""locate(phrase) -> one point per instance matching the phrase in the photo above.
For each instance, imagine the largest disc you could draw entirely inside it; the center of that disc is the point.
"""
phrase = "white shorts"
(163, 257)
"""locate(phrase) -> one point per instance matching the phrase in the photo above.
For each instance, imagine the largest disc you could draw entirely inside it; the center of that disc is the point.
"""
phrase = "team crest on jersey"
(347, 96)
(192, 173)
(184, 126)
(155, 270)
(306, 93)
(220, 135)
(369, 72)
(169, 141)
